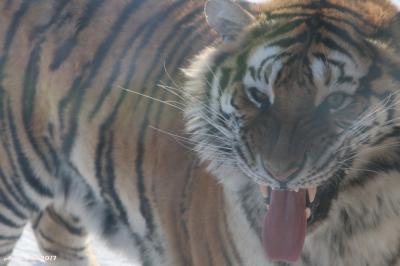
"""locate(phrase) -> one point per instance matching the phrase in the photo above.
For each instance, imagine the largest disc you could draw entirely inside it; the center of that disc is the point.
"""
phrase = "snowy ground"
(27, 252)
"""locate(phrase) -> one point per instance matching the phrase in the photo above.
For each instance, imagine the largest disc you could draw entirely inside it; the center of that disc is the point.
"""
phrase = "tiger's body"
(80, 153)
(67, 62)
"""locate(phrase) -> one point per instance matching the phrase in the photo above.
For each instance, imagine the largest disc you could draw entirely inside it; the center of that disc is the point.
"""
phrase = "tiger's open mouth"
(290, 216)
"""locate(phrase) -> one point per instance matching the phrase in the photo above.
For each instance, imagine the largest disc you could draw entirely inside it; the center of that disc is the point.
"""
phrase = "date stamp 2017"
(29, 258)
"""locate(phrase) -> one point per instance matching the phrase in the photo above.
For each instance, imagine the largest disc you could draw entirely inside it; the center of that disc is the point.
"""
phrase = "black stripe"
(14, 25)
(106, 182)
(72, 93)
(67, 17)
(36, 220)
(77, 93)
(344, 35)
(75, 230)
(145, 207)
(152, 28)
(55, 160)
(104, 162)
(149, 30)
(110, 178)
(354, 27)
(65, 49)
(15, 188)
(28, 100)
(184, 55)
(265, 60)
(374, 166)
(247, 205)
(58, 9)
(11, 32)
(331, 44)
(327, 5)
(6, 221)
(287, 15)
(27, 171)
(10, 238)
(279, 31)
(61, 245)
(287, 42)
(225, 77)
(115, 73)
(10, 188)
(163, 45)
(190, 31)
(109, 223)
(374, 72)
(8, 204)
(241, 65)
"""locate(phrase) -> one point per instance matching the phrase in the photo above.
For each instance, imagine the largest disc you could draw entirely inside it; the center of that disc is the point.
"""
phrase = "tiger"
(201, 132)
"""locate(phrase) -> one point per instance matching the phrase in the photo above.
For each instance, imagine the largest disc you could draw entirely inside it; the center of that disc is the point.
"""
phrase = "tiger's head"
(302, 97)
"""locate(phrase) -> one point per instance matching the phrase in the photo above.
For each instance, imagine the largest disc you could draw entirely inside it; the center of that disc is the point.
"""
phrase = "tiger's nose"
(283, 172)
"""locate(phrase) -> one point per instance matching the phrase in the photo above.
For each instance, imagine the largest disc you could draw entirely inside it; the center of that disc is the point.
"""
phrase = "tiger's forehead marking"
(263, 67)
(335, 72)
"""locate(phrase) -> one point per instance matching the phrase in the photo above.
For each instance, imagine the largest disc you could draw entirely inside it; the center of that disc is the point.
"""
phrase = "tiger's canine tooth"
(308, 212)
(312, 191)
(264, 191)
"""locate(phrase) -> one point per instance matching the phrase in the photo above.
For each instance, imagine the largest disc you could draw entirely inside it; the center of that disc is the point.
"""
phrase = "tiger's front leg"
(62, 238)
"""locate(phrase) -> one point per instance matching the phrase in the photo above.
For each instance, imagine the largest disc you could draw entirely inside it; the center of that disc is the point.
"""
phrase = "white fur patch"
(255, 60)
(326, 85)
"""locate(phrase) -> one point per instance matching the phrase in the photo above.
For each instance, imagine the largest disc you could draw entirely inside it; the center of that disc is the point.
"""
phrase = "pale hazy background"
(27, 249)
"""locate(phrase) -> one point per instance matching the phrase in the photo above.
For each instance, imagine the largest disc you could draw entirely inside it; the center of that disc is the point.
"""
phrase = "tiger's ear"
(395, 30)
(227, 18)
(390, 32)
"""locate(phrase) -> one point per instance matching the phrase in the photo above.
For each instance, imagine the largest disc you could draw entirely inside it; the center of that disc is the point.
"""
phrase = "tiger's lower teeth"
(265, 192)
(311, 192)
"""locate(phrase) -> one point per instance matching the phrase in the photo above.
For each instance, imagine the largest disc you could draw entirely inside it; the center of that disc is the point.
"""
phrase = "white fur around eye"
(226, 105)
(326, 75)
(256, 61)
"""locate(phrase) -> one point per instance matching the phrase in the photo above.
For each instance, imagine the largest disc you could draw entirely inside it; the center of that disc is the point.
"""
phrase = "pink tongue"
(284, 227)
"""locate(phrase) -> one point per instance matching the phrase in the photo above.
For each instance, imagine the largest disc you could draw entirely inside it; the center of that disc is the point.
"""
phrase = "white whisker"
(152, 98)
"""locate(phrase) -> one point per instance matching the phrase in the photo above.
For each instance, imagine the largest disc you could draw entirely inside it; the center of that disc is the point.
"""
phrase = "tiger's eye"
(260, 99)
(336, 100)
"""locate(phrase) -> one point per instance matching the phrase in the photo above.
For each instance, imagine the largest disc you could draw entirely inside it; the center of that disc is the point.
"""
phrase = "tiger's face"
(297, 100)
